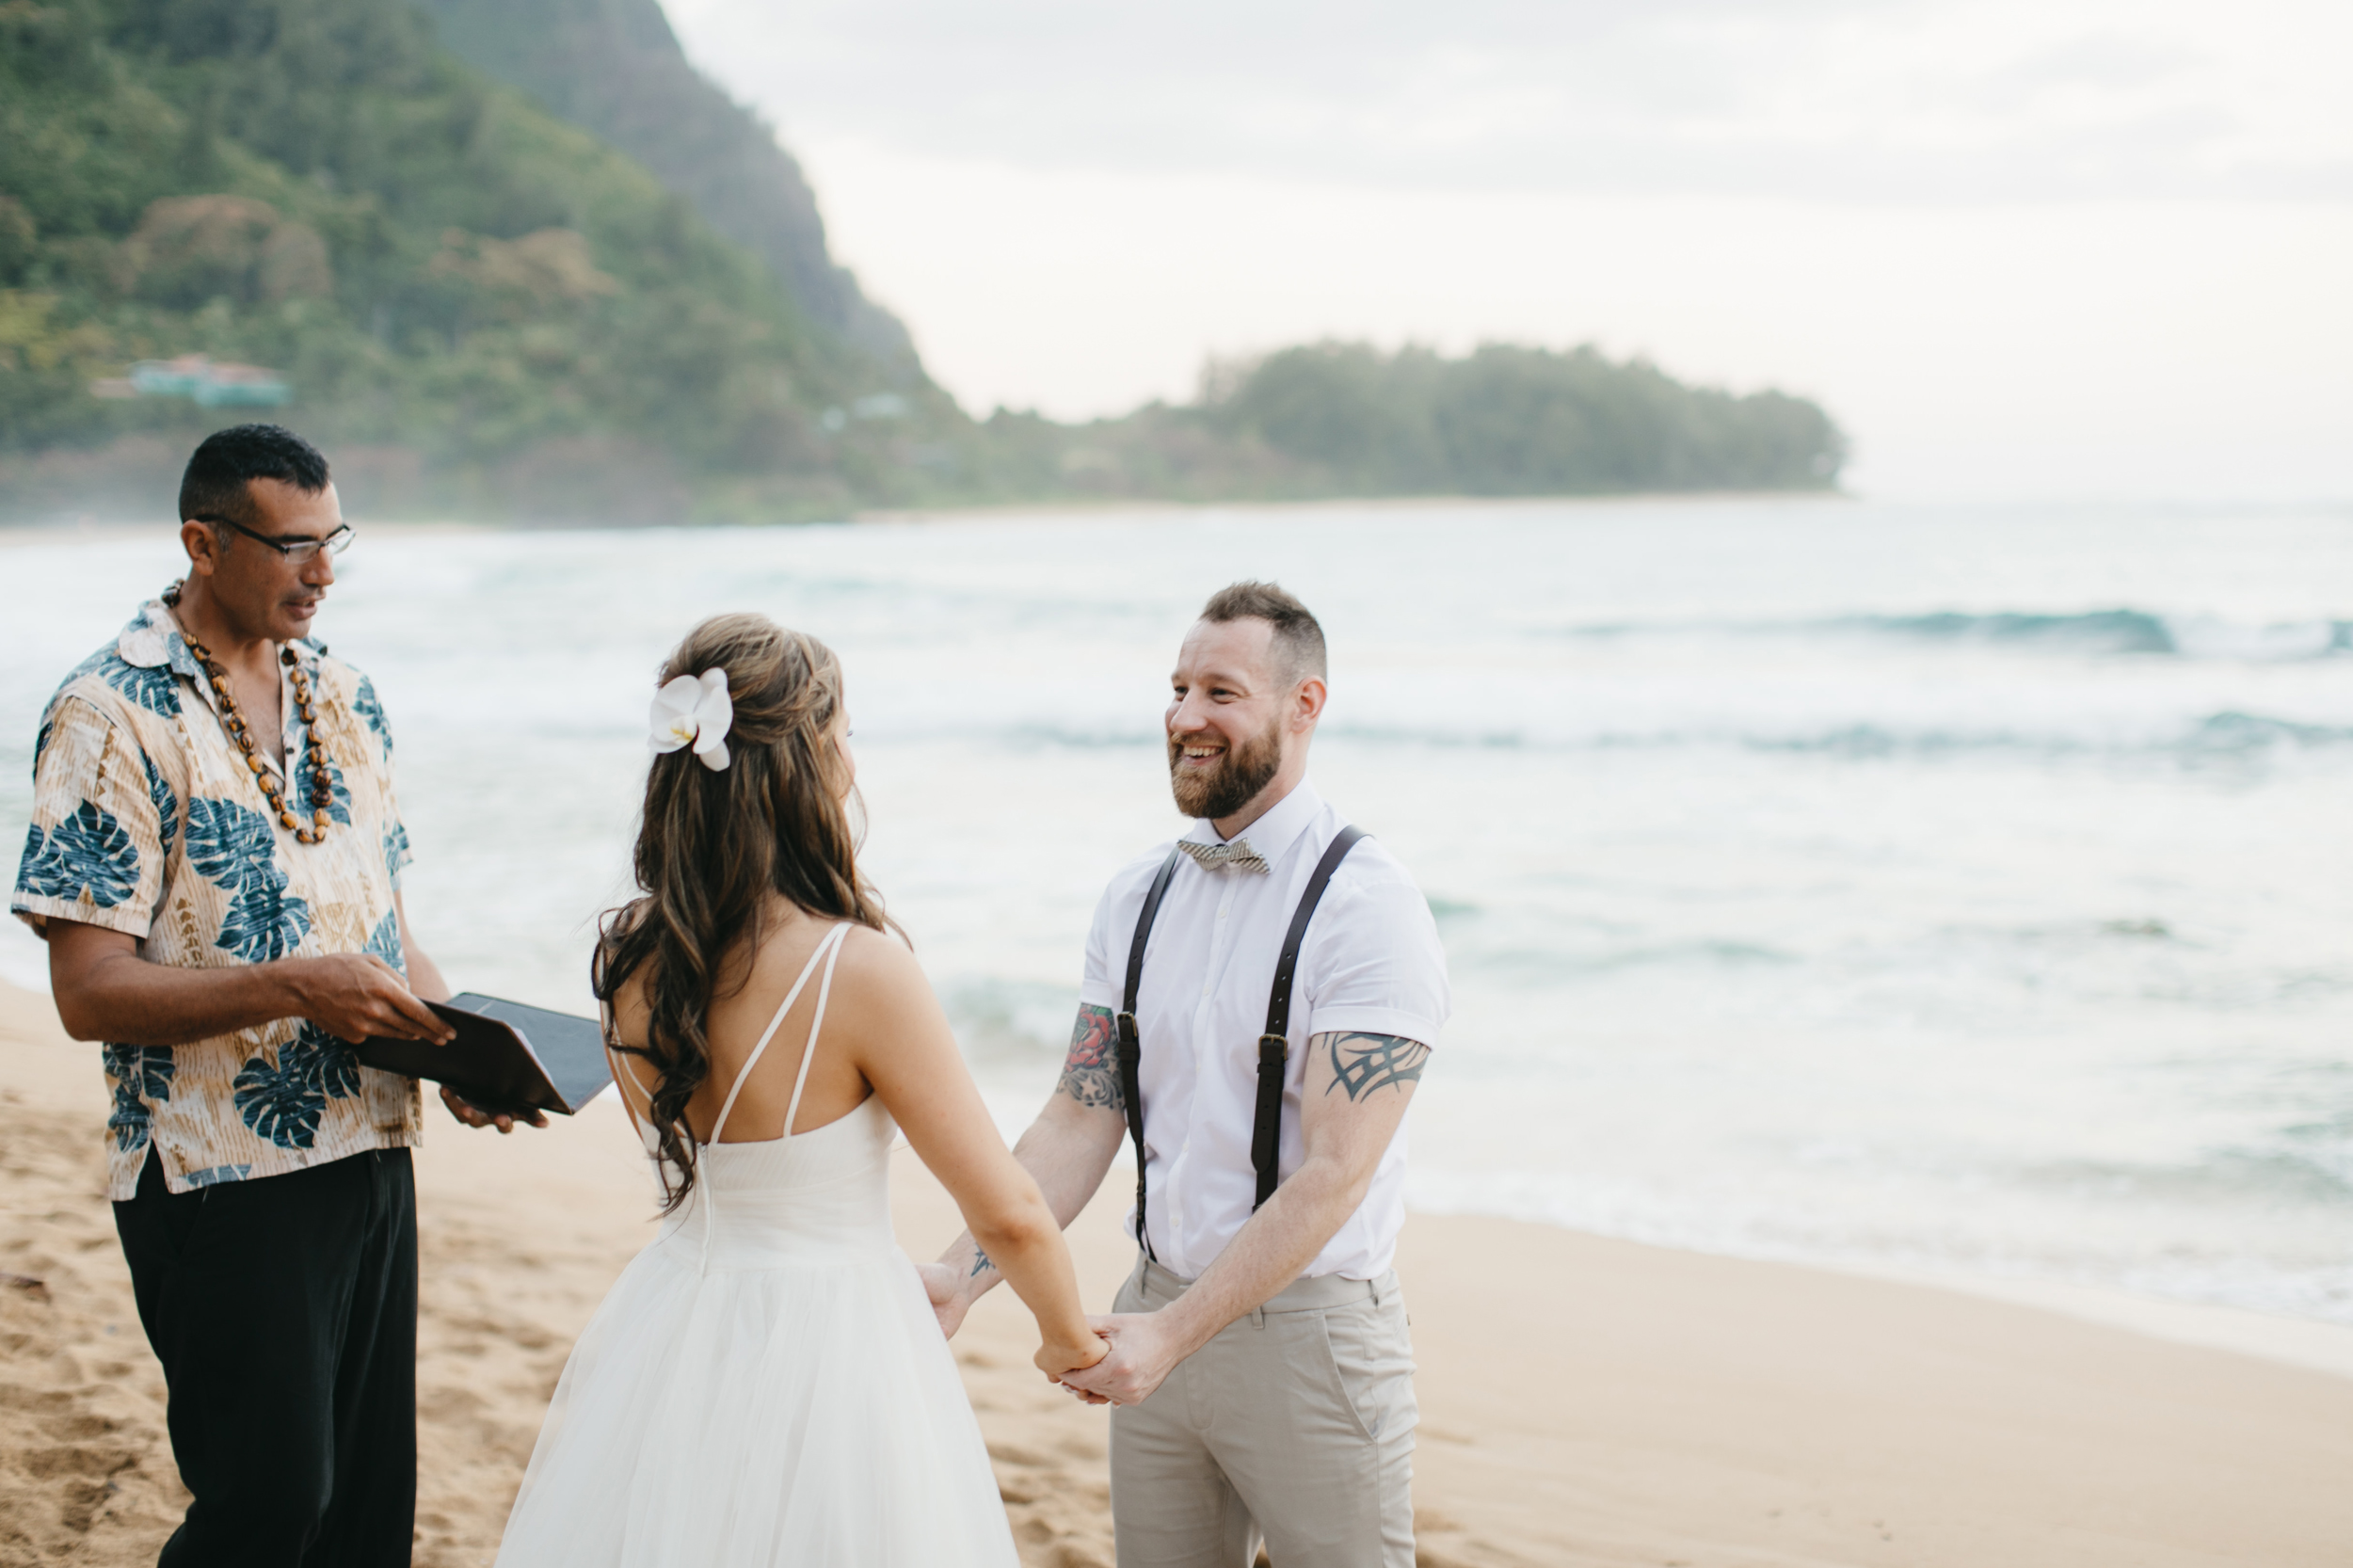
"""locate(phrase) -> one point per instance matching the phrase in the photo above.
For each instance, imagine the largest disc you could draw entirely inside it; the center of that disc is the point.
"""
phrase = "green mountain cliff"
(615, 69)
(477, 306)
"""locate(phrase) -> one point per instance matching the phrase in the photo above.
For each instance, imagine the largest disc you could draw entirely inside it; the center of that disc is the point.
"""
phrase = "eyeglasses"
(296, 551)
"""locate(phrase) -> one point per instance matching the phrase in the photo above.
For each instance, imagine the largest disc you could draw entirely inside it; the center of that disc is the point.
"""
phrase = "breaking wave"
(2122, 630)
(2214, 736)
(2117, 632)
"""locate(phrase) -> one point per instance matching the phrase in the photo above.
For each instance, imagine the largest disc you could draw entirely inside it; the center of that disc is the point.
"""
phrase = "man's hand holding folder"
(503, 1062)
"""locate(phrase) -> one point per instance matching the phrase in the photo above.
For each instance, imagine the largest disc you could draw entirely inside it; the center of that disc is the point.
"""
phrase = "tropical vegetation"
(515, 257)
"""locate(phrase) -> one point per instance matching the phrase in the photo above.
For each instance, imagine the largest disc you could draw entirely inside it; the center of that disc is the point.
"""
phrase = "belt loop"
(1257, 1316)
(1374, 1287)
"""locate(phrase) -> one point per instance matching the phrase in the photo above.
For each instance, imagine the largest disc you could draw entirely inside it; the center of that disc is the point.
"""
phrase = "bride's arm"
(1068, 1148)
(892, 1024)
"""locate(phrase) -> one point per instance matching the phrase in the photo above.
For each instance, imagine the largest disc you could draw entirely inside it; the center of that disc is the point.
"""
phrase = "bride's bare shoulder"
(878, 956)
(878, 979)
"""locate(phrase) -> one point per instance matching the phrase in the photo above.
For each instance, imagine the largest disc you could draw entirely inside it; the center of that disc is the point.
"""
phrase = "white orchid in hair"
(694, 710)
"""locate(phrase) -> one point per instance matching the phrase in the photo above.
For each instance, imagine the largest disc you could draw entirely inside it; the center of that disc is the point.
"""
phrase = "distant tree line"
(1513, 421)
(1344, 419)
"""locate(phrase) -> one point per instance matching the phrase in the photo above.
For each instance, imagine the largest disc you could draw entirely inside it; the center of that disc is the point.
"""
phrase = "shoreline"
(96, 530)
(26, 530)
(2312, 1344)
(1058, 509)
(1584, 1400)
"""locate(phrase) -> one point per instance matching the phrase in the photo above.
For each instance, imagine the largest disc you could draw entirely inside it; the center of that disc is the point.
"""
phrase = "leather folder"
(507, 1057)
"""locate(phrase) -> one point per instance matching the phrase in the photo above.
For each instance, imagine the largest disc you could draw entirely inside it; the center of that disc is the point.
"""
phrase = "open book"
(508, 1057)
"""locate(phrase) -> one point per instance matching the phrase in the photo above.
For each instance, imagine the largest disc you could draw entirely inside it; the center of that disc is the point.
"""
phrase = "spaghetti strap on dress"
(766, 1385)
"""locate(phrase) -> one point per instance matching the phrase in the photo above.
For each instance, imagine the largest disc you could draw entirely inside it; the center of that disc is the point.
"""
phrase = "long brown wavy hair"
(714, 846)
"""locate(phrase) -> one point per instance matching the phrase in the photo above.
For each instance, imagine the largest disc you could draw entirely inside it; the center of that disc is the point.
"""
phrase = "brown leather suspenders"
(1266, 1129)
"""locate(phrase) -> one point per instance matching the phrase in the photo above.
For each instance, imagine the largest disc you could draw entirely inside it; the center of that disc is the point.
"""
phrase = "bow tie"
(1237, 855)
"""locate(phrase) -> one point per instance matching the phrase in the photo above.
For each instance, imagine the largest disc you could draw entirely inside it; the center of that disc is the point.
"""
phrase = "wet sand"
(1584, 1402)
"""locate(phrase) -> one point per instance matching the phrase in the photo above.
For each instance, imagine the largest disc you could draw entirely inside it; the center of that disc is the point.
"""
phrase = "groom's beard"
(1240, 774)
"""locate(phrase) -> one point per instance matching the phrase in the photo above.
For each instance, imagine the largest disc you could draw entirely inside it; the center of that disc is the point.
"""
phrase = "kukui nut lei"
(314, 753)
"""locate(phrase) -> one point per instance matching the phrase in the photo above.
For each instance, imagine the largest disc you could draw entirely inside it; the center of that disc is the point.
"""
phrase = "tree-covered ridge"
(614, 68)
(1513, 421)
(443, 269)
(1343, 418)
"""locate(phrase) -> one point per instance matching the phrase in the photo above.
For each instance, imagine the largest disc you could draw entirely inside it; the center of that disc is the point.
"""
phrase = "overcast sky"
(2067, 248)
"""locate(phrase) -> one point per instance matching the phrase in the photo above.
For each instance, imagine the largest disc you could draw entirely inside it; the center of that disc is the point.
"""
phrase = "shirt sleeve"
(1377, 967)
(94, 853)
(1096, 987)
(1114, 931)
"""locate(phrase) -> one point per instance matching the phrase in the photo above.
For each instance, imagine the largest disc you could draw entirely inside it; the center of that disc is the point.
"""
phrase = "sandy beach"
(1584, 1402)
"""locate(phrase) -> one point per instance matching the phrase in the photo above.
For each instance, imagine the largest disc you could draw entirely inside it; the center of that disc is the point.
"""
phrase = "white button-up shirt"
(1370, 961)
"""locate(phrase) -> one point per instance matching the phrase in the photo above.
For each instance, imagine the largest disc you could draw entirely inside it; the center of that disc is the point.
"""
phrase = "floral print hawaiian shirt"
(147, 820)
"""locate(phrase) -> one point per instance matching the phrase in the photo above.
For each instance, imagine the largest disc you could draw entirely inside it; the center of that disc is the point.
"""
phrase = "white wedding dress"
(766, 1387)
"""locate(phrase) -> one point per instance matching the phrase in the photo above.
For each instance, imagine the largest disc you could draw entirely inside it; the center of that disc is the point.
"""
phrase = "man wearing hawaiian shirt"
(214, 861)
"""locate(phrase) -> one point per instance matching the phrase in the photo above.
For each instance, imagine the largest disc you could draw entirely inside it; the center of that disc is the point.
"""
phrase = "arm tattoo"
(980, 1264)
(1362, 1063)
(1090, 1074)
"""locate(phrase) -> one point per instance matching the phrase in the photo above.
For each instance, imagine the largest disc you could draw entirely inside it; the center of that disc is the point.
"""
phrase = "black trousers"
(284, 1311)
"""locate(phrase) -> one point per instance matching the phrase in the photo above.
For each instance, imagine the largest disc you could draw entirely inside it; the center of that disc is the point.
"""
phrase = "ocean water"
(1958, 889)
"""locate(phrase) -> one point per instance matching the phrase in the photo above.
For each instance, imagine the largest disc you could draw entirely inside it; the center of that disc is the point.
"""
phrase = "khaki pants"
(1294, 1424)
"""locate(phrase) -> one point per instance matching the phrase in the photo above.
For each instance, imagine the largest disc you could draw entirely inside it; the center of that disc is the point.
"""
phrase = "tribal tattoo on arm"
(1090, 1074)
(1362, 1063)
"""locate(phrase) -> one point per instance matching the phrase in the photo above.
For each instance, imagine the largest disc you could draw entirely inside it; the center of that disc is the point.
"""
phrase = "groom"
(214, 861)
(1259, 1356)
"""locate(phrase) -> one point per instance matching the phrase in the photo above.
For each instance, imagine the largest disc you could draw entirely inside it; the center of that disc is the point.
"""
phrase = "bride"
(766, 1382)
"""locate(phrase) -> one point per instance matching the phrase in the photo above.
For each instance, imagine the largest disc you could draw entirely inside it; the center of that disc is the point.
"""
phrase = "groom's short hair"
(1298, 636)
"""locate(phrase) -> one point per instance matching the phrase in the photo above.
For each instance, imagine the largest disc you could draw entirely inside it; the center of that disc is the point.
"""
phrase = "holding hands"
(1141, 1353)
(1057, 1358)
(1059, 1362)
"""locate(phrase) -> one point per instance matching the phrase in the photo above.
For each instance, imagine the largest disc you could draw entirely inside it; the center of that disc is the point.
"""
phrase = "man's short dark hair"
(1297, 634)
(228, 460)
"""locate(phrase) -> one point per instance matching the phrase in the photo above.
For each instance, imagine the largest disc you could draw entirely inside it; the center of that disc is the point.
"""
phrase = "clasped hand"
(1143, 1353)
(1078, 1368)
(1059, 1362)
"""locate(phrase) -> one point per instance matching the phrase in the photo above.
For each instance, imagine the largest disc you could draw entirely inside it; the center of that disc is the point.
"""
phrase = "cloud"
(2017, 247)
(2173, 348)
(1824, 99)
